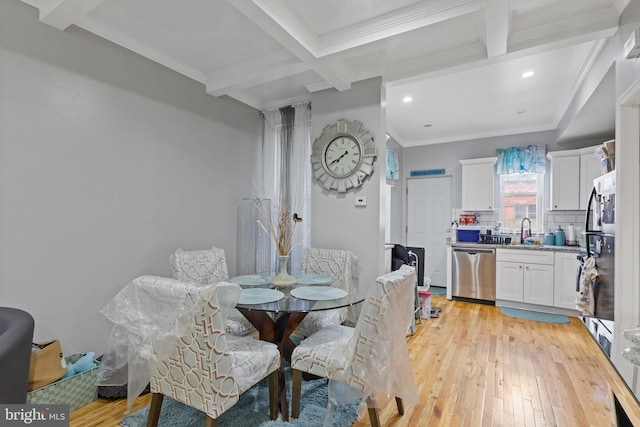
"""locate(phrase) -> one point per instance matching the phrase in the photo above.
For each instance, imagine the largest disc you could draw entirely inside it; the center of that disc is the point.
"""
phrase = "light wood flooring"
(477, 367)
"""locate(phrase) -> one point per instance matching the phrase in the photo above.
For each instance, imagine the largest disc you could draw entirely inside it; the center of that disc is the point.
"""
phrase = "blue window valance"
(529, 158)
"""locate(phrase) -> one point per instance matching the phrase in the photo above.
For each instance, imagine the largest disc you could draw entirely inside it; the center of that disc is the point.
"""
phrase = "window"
(521, 197)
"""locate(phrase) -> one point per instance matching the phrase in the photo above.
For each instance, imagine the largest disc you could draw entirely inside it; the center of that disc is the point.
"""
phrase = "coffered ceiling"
(459, 60)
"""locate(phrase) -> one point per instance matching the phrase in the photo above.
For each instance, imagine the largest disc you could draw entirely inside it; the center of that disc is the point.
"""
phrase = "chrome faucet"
(522, 229)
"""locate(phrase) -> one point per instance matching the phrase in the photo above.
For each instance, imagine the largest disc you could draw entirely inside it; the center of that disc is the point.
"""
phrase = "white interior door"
(428, 218)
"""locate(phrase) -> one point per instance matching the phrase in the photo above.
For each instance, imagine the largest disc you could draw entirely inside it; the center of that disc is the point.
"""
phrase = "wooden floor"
(476, 367)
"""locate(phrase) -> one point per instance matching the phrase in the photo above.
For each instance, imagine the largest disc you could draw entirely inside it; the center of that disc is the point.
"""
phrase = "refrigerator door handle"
(588, 232)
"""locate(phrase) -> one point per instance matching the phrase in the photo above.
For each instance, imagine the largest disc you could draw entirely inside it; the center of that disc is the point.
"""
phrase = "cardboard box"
(76, 391)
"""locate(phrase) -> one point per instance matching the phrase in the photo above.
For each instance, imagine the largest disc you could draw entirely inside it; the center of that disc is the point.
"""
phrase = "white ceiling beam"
(332, 73)
(402, 20)
(249, 74)
(496, 18)
(594, 25)
(410, 18)
(62, 13)
(109, 33)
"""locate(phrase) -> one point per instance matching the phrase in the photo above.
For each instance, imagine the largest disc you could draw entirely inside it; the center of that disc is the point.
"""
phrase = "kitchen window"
(521, 196)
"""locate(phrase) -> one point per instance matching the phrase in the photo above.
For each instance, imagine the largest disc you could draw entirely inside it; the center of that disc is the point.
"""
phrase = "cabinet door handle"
(527, 267)
(520, 267)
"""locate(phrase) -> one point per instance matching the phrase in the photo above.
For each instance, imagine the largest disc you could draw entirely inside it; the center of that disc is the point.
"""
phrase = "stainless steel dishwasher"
(474, 273)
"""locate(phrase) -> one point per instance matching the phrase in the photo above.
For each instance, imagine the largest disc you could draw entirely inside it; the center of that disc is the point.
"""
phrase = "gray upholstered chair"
(16, 336)
(208, 266)
(372, 358)
(341, 267)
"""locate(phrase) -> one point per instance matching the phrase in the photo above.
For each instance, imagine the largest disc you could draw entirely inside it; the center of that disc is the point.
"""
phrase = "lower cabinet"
(525, 276)
(566, 267)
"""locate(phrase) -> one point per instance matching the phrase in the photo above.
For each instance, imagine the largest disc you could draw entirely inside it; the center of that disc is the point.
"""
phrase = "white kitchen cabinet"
(572, 174)
(566, 266)
(565, 180)
(524, 275)
(477, 184)
(590, 168)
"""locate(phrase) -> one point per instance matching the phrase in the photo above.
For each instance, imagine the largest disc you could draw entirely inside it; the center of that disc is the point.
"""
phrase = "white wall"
(108, 163)
(337, 222)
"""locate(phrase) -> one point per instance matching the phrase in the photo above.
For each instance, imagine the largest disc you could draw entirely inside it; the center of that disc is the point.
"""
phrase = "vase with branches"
(281, 226)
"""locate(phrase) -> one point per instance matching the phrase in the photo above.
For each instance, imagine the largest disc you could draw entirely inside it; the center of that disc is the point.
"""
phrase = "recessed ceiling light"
(407, 99)
(527, 74)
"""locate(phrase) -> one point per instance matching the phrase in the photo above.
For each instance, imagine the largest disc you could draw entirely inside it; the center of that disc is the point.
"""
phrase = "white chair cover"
(341, 266)
(372, 358)
(199, 266)
(208, 266)
(162, 324)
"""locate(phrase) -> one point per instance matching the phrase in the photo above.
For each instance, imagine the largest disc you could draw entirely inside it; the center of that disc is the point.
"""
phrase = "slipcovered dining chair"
(16, 335)
(341, 267)
(372, 358)
(171, 335)
(208, 266)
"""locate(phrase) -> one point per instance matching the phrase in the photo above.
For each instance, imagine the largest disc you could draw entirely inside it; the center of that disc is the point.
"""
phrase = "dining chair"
(372, 358)
(206, 368)
(208, 266)
(341, 267)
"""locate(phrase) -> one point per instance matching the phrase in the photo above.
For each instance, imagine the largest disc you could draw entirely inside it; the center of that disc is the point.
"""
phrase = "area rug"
(534, 315)
(253, 410)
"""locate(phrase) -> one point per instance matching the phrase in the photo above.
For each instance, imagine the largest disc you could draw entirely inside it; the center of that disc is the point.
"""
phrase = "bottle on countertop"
(571, 235)
(454, 232)
(559, 237)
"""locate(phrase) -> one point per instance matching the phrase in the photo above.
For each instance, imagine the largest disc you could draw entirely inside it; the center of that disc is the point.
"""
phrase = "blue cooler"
(468, 234)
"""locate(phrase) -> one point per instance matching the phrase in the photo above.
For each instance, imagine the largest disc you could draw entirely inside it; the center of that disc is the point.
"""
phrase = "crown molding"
(261, 70)
(108, 33)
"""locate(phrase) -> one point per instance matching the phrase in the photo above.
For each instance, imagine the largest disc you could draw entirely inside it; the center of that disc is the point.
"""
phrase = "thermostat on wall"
(361, 201)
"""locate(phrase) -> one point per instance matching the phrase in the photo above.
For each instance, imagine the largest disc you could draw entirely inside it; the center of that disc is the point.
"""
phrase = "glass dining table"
(277, 312)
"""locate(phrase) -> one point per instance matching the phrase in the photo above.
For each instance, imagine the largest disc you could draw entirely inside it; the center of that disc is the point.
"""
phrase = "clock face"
(342, 156)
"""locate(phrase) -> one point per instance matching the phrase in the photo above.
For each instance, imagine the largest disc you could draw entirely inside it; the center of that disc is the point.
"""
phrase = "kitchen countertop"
(570, 249)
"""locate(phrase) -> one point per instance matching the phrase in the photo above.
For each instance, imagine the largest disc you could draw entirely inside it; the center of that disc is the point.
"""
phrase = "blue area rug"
(534, 315)
(436, 290)
(253, 410)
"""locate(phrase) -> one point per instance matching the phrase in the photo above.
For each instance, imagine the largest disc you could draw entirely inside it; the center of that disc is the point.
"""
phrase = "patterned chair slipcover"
(341, 267)
(373, 357)
(170, 334)
(209, 370)
(208, 266)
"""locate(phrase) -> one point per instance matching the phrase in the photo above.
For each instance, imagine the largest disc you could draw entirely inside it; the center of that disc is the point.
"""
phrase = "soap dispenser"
(559, 237)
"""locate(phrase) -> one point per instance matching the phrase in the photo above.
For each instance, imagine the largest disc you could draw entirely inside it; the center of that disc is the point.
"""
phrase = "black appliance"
(600, 245)
(411, 255)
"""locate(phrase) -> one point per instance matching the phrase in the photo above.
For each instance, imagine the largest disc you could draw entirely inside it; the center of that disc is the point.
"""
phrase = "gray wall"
(447, 156)
(337, 222)
(108, 163)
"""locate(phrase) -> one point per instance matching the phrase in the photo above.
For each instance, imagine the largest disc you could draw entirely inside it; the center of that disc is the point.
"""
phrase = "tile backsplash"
(487, 220)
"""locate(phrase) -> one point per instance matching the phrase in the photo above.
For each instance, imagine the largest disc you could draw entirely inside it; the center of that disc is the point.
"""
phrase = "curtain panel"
(529, 158)
(286, 169)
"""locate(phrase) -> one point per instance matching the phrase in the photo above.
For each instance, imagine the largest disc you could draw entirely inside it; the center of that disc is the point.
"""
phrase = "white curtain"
(286, 169)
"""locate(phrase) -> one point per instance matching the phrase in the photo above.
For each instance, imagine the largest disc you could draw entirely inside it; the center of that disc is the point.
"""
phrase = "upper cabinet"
(572, 174)
(590, 168)
(477, 184)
